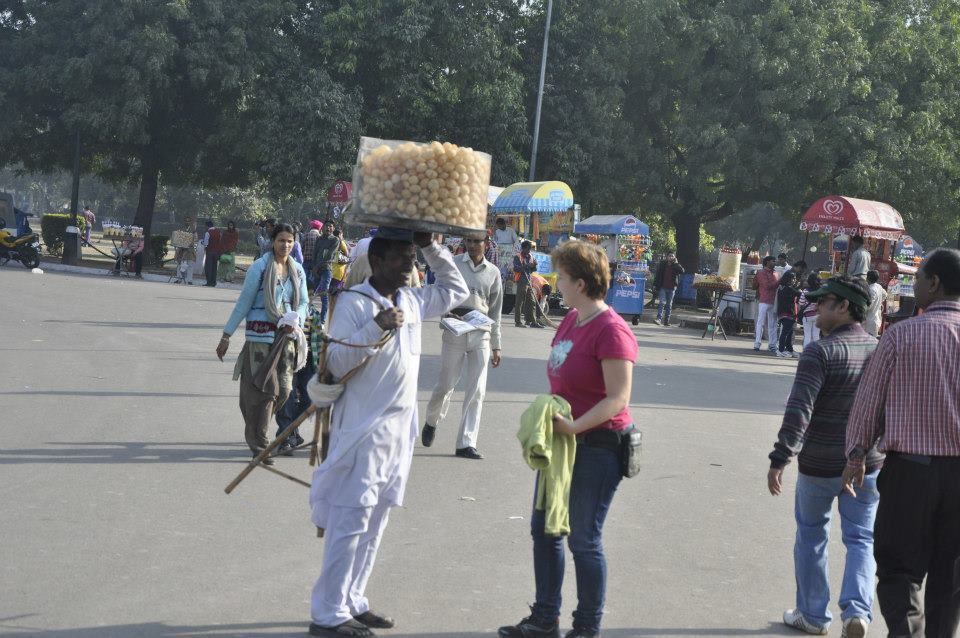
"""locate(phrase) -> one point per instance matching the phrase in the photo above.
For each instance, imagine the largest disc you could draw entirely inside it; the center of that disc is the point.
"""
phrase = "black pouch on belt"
(631, 445)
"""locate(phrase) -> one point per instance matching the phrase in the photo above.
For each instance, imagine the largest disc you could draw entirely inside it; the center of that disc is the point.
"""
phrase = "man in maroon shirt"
(765, 282)
(909, 400)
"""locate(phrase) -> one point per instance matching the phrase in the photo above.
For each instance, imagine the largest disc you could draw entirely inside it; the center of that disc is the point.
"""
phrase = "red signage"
(340, 192)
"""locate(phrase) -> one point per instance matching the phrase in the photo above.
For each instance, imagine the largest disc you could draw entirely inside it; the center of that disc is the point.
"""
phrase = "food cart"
(881, 227)
(542, 212)
(626, 240)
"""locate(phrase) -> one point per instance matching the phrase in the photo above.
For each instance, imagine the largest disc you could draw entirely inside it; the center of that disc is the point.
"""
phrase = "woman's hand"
(563, 425)
(222, 347)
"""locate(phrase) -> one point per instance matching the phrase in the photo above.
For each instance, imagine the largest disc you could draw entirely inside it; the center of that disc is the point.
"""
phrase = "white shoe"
(855, 627)
(793, 618)
(657, 321)
(783, 355)
(795, 355)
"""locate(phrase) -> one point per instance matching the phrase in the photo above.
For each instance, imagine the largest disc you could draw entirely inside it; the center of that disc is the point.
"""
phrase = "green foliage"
(158, 249)
(53, 229)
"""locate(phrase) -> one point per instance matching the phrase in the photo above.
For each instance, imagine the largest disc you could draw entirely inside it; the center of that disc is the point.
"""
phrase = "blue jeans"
(666, 303)
(298, 401)
(596, 475)
(813, 507)
(322, 286)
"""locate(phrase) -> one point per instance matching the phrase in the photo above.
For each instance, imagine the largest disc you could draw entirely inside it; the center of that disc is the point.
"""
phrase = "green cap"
(842, 290)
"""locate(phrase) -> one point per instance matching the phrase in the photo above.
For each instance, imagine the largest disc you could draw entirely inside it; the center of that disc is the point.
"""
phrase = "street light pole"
(543, 72)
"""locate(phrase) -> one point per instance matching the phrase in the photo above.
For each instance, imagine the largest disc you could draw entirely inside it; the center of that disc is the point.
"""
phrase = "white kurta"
(374, 423)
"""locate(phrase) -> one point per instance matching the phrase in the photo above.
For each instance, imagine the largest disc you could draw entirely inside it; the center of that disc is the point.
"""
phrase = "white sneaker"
(783, 355)
(657, 321)
(855, 627)
(793, 618)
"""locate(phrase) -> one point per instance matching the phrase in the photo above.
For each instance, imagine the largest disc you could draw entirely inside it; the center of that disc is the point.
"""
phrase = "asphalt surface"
(120, 429)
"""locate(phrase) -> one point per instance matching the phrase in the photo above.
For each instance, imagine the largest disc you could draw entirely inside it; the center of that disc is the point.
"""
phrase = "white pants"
(765, 315)
(464, 356)
(350, 544)
(185, 270)
(198, 262)
(811, 332)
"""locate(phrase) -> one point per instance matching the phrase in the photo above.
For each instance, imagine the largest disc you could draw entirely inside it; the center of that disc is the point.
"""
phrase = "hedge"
(53, 227)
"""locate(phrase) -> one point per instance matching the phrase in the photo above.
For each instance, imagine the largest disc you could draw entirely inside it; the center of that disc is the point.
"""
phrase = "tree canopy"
(689, 111)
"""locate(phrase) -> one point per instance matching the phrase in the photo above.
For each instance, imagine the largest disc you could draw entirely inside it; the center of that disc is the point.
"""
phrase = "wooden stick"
(286, 476)
(265, 452)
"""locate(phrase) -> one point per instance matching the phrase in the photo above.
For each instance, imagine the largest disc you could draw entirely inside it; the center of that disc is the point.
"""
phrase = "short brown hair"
(586, 261)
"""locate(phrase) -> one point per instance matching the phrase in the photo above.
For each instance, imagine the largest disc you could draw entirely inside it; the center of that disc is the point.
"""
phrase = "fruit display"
(441, 186)
(113, 230)
(713, 282)
(632, 247)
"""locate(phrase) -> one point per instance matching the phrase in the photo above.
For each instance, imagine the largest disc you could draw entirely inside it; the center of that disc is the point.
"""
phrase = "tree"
(428, 69)
(200, 92)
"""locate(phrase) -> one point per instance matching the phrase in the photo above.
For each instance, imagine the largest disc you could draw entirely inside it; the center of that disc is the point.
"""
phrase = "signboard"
(907, 250)
(340, 192)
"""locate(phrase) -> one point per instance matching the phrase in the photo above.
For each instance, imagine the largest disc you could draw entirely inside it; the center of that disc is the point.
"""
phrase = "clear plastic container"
(435, 187)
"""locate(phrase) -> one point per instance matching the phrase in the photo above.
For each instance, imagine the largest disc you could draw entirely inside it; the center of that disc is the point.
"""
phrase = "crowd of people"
(874, 427)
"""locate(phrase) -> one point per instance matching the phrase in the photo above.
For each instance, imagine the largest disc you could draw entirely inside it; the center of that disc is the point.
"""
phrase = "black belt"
(602, 437)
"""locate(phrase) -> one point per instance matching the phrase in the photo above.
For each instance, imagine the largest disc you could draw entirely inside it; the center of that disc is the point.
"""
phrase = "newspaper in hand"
(473, 320)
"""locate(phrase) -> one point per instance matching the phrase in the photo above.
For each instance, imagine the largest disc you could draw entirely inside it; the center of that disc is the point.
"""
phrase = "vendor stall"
(626, 241)
(841, 218)
(543, 212)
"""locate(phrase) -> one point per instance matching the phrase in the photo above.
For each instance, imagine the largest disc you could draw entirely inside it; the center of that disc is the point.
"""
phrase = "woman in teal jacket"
(274, 285)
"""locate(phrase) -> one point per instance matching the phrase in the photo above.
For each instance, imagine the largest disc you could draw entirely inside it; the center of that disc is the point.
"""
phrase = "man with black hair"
(878, 295)
(374, 422)
(859, 263)
(665, 283)
(909, 401)
(765, 282)
(813, 429)
(524, 265)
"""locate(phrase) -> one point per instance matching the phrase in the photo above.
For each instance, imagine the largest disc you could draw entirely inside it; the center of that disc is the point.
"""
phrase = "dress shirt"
(909, 396)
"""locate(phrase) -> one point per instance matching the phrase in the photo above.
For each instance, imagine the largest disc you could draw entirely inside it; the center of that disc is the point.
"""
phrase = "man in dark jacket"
(814, 430)
(665, 282)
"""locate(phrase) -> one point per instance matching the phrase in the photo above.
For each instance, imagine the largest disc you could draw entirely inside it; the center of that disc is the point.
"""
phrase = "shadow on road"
(299, 629)
(141, 324)
(117, 393)
(128, 452)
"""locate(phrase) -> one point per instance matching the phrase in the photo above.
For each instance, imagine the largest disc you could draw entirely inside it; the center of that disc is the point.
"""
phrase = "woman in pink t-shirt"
(591, 366)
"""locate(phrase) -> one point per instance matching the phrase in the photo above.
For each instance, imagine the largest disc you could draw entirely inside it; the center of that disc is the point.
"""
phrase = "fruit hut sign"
(839, 215)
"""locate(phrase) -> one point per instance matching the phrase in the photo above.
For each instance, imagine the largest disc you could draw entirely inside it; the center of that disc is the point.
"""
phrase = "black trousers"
(917, 536)
(210, 268)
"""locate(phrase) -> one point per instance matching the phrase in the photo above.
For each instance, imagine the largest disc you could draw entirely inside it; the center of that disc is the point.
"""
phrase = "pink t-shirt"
(574, 367)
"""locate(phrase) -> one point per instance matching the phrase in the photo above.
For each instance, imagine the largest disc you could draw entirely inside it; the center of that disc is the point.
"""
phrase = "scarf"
(274, 312)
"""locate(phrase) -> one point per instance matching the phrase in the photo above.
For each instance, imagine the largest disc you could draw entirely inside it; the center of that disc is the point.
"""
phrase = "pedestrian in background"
(765, 283)
(89, 219)
(338, 270)
(665, 282)
(309, 242)
(909, 400)
(274, 285)
(591, 367)
(808, 310)
(878, 296)
(524, 264)
(325, 251)
(465, 356)
(813, 429)
(212, 248)
(229, 241)
(787, 310)
(185, 256)
(199, 262)
(859, 263)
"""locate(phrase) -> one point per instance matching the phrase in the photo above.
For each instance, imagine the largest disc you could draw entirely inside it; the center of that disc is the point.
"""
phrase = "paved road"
(121, 429)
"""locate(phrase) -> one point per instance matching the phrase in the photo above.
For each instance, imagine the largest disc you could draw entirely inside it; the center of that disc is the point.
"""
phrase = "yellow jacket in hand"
(553, 456)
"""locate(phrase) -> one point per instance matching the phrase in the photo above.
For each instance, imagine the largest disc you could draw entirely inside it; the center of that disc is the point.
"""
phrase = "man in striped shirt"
(909, 400)
(813, 429)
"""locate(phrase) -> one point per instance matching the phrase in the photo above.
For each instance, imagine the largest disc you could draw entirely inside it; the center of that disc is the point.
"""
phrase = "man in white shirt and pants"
(877, 297)
(374, 422)
(465, 356)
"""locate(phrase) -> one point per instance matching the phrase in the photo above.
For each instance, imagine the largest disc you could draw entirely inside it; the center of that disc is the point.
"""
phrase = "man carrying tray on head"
(374, 422)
